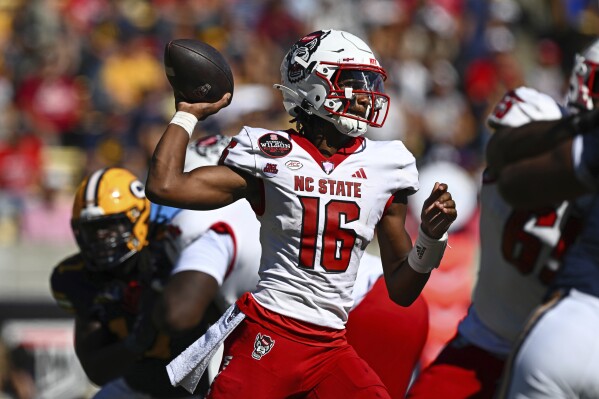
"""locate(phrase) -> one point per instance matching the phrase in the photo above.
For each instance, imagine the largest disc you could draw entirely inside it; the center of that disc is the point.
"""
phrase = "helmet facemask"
(106, 241)
(110, 218)
(335, 76)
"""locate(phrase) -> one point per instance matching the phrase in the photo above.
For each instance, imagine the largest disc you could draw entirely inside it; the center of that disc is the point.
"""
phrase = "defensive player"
(319, 194)
(559, 355)
(111, 286)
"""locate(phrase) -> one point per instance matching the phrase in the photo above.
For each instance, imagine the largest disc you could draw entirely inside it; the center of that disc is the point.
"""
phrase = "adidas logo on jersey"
(420, 251)
(360, 174)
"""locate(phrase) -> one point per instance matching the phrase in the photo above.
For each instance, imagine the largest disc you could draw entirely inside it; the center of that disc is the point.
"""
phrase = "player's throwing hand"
(203, 110)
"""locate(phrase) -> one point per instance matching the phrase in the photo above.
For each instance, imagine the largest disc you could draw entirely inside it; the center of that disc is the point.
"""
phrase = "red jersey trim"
(293, 329)
(341, 155)
(224, 228)
(388, 204)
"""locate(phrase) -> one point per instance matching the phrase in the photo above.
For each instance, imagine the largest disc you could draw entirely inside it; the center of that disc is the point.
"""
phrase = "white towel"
(187, 368)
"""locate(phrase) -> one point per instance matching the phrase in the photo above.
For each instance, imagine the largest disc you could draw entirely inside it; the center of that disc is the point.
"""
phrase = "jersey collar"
(327, 164)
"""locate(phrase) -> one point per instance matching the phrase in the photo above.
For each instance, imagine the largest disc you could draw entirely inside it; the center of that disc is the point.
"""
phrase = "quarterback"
(290, 330)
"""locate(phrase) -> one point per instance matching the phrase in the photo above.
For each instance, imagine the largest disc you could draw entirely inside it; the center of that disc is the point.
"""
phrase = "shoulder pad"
(523, 105)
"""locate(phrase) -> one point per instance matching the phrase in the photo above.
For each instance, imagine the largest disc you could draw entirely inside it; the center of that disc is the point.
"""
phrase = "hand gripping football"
(196, 71)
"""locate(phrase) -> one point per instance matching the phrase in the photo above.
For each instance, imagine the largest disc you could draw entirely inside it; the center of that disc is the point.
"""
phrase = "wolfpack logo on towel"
(234, 313)
(274, 145)
(262, 345)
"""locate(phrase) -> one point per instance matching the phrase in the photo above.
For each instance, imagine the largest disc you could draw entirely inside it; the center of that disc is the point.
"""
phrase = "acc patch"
(293, 164)
(274, 145)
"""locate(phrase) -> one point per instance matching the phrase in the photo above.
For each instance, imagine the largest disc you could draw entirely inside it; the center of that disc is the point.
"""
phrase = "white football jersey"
(520, 250)
(233, 263)
(317, 216)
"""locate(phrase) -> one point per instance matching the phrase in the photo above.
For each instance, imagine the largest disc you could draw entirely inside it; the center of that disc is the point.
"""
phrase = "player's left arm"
(512, 144)
(407, 268)
(564, 173)
(185, 301)
(198, 274)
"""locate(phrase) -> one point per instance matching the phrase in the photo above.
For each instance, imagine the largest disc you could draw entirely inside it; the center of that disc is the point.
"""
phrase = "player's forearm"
(165, 175)
(508, 145)
(184, 301)
(541, 181)
(404, 284)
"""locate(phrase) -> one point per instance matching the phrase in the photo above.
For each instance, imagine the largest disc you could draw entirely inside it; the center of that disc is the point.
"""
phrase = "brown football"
(197, 71)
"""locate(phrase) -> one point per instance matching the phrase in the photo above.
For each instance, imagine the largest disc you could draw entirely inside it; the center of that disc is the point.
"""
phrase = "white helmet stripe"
(91, 190)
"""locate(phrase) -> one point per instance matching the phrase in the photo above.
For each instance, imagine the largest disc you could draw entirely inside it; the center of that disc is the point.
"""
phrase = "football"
(197, 72)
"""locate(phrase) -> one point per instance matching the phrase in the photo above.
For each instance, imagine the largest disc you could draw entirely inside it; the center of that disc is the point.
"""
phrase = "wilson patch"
(274, 145)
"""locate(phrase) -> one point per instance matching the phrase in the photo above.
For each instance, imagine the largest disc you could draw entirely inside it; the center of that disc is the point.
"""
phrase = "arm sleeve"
(213, 253)
(410, 183)
(241, 153)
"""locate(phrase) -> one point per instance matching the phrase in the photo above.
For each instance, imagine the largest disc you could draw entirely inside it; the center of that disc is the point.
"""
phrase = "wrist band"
(186, 120)
(427, 252)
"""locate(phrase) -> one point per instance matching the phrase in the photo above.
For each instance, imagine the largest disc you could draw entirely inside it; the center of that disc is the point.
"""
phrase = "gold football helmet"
(110, 218)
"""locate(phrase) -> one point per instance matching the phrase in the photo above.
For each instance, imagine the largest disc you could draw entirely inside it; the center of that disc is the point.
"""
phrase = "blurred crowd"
(82, 83)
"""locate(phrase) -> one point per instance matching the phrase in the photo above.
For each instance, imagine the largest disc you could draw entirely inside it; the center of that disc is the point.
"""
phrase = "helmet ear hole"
(316, 96)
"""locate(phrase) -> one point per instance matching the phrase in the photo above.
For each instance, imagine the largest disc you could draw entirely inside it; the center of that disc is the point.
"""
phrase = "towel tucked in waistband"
(187, 368)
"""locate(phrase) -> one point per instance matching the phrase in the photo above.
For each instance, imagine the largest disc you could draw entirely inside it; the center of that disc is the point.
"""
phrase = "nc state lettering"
(328, 186)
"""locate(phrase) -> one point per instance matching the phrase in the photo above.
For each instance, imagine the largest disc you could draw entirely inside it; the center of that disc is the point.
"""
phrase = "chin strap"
(350, 127)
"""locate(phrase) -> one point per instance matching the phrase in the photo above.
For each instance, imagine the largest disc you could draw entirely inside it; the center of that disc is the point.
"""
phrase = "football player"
(558, 356)
(319, 194)
(523, 239)
(229, 235)
(111, 286)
